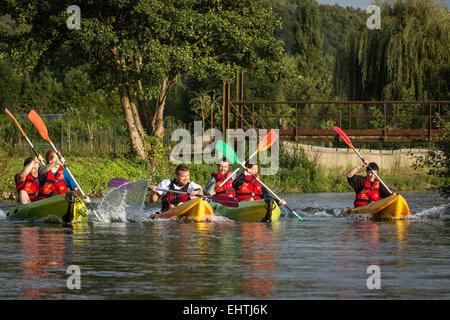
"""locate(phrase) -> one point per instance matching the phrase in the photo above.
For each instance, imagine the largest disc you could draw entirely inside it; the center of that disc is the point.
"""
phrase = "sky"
(362, 4)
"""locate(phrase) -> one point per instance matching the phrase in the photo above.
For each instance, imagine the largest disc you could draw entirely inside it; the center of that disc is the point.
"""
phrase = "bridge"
(312, 121)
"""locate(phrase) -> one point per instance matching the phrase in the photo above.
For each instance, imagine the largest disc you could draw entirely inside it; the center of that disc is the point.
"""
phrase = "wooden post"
(430, 138)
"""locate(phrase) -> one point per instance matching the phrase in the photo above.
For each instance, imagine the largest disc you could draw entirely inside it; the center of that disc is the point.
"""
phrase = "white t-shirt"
(165, 184)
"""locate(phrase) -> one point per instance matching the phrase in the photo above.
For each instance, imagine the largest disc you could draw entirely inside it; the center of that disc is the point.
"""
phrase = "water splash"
(319, 212)
(440, 212)
(3, 215)
(125, 203)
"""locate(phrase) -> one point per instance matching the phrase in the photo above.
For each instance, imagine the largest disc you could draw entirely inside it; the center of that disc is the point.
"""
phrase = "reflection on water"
(42, 251)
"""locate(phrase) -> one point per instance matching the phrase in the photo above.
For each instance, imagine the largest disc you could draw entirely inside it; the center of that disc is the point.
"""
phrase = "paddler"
(181, 182)
(248, 188)
(218, 178)
(27, 182)
(367, 188)
(54, 179)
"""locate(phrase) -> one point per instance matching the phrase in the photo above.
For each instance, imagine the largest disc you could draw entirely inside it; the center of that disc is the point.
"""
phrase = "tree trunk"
(135, 113)
(158, 118)
(135, 139)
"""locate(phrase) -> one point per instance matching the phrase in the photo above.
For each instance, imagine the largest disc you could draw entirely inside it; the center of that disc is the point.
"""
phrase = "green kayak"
(64, 208)
(249, 211)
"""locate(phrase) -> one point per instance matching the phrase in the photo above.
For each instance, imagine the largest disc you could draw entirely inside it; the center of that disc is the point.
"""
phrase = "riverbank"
(298, 175)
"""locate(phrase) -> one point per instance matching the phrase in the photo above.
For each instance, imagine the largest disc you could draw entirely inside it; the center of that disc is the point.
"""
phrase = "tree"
(143, 47)
(204, 104)
(405, 60)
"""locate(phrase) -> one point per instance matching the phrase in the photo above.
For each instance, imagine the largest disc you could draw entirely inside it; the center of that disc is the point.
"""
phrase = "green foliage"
(405, 60)
(438, 161)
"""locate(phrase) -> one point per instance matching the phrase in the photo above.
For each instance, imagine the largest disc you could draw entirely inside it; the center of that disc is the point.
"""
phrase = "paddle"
(23, 133)
(264, 144)
(349, 143)
(230, 154)
(223, 200)
(42, 129)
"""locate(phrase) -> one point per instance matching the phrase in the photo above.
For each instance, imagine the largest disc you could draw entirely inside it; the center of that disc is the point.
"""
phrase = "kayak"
(250, 211)
(64, 208)
(197, 209)
(392, 207)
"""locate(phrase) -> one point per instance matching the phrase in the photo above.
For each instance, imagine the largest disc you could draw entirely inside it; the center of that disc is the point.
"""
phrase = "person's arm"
(158, 194)
(384, 192)
(48, 167)
(194, 189)
(209, 188)
(352, 172)
(237, 183)
(27, 169)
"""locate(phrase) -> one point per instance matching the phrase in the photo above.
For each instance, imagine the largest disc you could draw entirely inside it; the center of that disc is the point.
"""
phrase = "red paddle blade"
(10, 114)
(344, 136)
(268, 140)
(225, 201)
(39, 124)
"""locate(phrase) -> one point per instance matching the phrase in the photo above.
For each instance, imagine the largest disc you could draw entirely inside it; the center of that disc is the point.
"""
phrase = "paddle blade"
(10, 114)
(227, 151)
(225, 201)
(116, 182)
(344, 136)
(39, 124)
(268, 140)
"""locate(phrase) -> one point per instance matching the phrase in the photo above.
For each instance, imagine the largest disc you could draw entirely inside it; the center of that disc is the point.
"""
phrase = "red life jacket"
(370, 192)
(174, 198)
(53, 184)
(227, 188)
(250, 189)
(30, 185)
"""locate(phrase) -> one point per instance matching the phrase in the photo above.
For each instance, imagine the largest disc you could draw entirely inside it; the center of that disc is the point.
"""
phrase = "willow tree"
(404, 60)
(143, 47)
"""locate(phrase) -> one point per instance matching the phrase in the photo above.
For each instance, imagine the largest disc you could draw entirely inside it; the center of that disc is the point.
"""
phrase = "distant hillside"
(335, 22)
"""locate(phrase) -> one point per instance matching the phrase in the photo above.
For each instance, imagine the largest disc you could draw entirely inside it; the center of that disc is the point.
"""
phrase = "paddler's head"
(223, 167)
(34, 170)
(51, 157)
(182, 174)
(252, 168)
(370, 176)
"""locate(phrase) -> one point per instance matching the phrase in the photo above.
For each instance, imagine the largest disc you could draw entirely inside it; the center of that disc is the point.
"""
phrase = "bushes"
(298, 174)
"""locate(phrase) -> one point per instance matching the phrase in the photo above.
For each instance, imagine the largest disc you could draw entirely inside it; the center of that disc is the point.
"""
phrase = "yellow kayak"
(196, 209)
(392, 207)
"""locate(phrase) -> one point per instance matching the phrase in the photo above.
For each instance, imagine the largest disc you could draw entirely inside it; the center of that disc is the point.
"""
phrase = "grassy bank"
(297, 176)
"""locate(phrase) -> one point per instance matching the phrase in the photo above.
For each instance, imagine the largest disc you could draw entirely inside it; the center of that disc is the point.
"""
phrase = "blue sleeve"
(68, 180)
(41, 176)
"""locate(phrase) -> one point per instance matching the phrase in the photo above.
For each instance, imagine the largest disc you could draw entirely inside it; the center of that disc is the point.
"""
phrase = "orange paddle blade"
(344, 136)
(10, 114)
(39, 124)
(268, 140)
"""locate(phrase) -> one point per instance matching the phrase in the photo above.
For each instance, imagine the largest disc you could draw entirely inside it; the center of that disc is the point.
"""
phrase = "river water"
(325, 257)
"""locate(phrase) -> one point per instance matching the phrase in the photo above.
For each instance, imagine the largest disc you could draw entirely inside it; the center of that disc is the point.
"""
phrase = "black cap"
(27, 161)
(372, 166)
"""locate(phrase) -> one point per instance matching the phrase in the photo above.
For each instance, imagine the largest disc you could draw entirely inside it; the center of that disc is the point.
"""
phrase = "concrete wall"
(346, 157)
